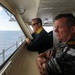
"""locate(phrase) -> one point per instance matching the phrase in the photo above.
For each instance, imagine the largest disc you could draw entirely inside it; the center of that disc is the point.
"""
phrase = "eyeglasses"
(34, 24)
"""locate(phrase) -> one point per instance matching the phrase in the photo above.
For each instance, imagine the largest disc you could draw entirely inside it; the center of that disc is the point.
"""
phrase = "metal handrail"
(7, 48)
(10, 47)
(17, 45)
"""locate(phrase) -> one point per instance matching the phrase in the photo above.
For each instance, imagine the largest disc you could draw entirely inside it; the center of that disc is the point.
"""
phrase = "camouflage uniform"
(63, 61)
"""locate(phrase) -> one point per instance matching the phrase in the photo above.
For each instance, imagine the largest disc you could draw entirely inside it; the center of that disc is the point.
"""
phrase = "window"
(11, 35)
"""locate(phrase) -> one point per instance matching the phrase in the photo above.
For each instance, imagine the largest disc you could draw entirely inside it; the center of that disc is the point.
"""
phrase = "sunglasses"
(34, 24)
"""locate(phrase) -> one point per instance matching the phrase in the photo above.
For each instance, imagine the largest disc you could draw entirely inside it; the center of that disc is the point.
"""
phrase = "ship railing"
(4, 55)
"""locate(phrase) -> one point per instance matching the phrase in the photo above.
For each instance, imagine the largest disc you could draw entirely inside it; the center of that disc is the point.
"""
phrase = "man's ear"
(73, 29)
(39, 24)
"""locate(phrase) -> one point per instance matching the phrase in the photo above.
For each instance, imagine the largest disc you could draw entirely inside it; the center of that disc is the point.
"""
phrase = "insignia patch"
(71, 52)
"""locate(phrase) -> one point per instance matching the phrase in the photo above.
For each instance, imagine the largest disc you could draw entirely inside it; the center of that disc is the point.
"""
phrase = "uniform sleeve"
(61, 66)
(34, 45)
(53, 67)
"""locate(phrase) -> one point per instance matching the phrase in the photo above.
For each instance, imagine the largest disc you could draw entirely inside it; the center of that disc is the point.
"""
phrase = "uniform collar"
(39, 30)
(72, 41)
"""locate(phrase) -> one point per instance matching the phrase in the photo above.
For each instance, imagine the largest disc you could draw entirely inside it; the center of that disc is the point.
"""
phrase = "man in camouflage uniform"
(60, 60)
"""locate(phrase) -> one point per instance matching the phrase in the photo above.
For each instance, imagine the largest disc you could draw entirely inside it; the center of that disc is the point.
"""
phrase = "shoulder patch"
(71, 52)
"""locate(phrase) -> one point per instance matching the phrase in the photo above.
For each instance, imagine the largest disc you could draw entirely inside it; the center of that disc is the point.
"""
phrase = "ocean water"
(7, 39)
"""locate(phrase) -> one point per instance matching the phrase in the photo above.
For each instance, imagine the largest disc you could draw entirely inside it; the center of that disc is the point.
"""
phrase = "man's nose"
(56, 29)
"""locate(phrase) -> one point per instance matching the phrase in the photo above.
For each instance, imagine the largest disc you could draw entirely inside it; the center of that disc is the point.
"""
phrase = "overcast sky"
(5, 24)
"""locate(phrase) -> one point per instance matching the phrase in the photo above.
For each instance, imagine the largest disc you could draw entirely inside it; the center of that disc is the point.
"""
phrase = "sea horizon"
(7, 38)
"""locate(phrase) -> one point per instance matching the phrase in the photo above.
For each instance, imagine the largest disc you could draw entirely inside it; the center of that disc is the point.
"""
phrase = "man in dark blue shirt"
(41, 41)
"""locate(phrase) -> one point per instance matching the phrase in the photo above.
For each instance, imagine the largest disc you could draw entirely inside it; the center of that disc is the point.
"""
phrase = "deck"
(24, 63)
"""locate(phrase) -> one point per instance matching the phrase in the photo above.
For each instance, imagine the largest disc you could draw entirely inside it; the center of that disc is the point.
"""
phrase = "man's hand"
(41, 61)
(43, 71)
(28, 41)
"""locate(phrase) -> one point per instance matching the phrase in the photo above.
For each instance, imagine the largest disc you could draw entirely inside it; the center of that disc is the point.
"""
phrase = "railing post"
(16, 44)
(3, 55)
(21, 40)
(4, 50)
